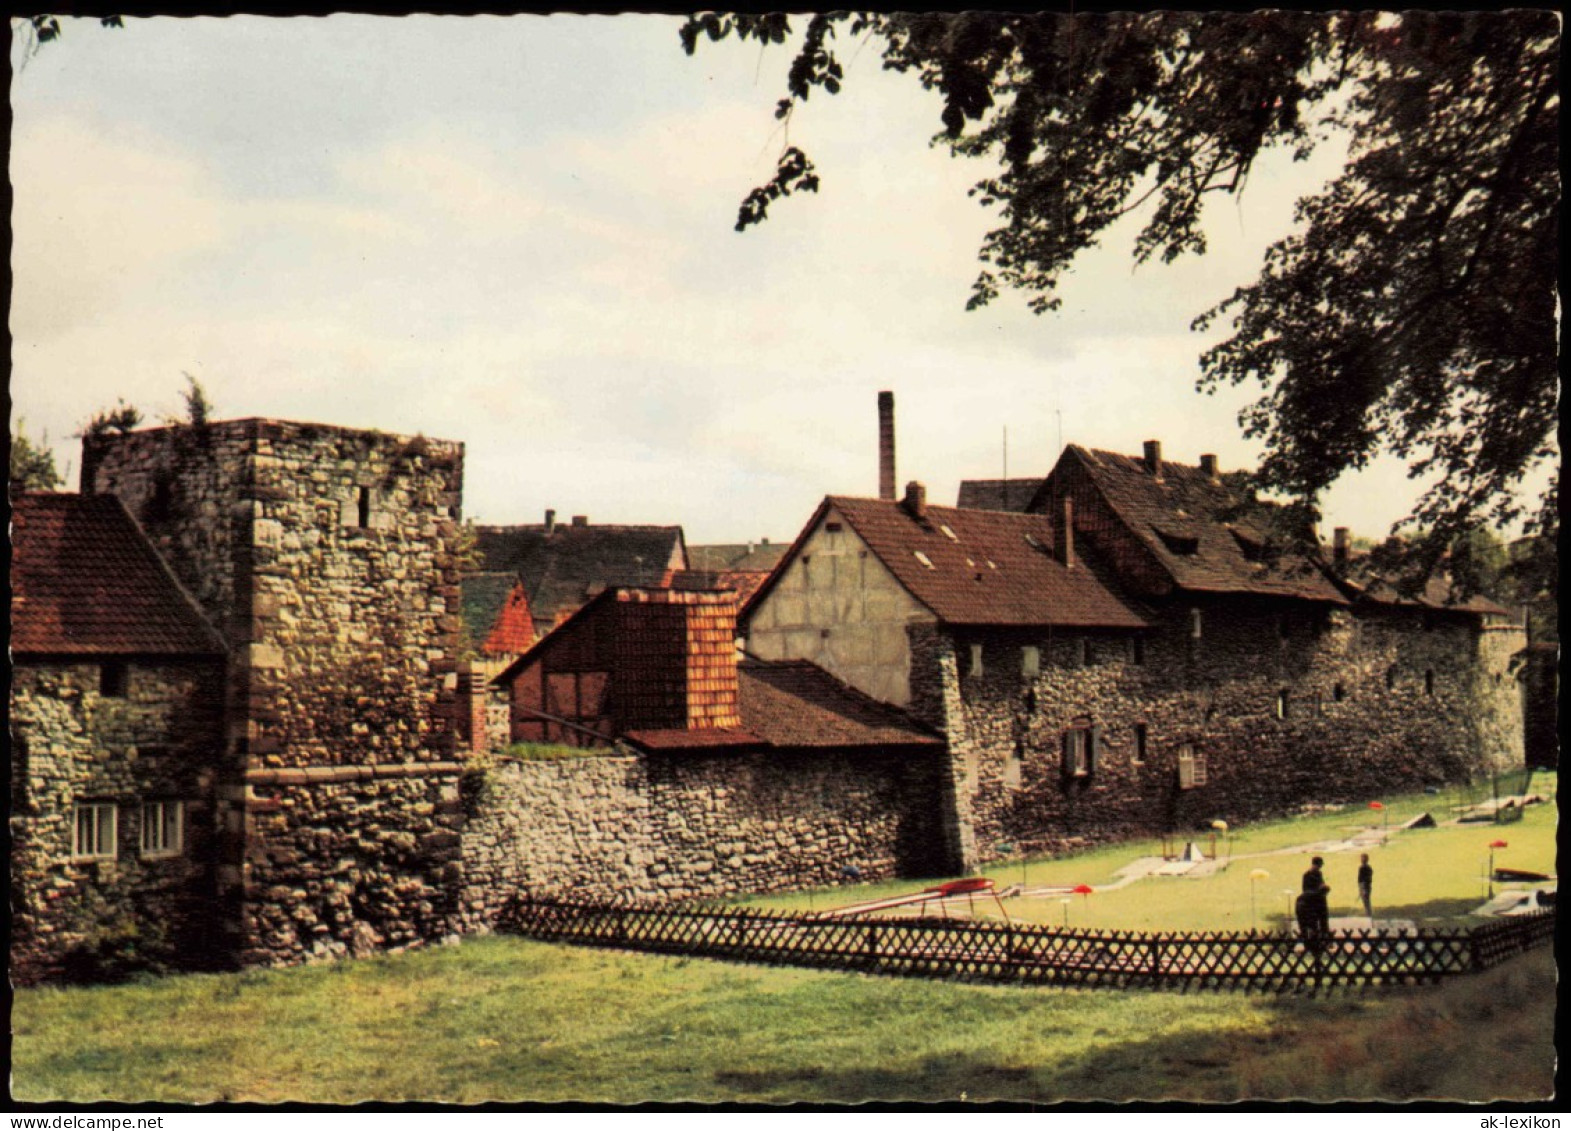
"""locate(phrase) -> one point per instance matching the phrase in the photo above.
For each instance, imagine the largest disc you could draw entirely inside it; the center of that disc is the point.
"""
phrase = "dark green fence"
(989, 951)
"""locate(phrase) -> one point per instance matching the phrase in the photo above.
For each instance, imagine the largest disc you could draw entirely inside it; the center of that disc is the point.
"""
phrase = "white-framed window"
(1080, 744)
(96, 827)
(163, 828)
(1030, 660)
(1191, 767)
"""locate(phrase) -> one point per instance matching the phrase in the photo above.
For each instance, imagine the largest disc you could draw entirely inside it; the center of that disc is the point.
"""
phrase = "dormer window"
(1184, 545)
(1252, 548)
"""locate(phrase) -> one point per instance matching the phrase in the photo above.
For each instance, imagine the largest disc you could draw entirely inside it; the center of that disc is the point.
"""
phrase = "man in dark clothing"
(1366, 884)
(1314, 912)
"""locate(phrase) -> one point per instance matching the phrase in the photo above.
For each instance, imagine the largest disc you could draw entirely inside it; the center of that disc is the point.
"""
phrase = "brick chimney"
(886, 446)
(1064, 532)
(915, 501)
(1153, 458)
(550, 520)
(1341, 544)
(580, 520)
(1208, 465)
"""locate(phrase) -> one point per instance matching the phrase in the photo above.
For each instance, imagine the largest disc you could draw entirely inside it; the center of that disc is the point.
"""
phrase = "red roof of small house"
(794, 703)
(978, 567)
(513, 631)
(1204, 531)
(86, 581)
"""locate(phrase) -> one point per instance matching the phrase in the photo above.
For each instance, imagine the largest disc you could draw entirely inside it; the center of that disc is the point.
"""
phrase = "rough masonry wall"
(1373, 704)
(679, 827)
(327, 557)
(71, 745)
(840, 607)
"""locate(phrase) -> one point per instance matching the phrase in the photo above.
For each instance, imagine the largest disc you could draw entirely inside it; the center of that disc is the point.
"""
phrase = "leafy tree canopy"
(32, 464)
(1413, 308)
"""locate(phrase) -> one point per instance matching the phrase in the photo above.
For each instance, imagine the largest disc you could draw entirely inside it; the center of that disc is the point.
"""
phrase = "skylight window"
(948, 533)
(924, 559)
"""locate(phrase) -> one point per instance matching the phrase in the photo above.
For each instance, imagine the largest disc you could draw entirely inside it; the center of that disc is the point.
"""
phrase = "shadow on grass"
(1413, 1044)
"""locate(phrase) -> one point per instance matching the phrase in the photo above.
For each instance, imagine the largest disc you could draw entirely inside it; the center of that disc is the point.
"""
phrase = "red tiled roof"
(997, 569)
(86, 581)
(676, 739)
(795, 703)
(1204, 532)
(743, 582)
(513, 631)
(997, 494)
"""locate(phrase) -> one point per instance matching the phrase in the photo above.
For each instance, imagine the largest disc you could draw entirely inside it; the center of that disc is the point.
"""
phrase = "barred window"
(163, 828)
(96, 829)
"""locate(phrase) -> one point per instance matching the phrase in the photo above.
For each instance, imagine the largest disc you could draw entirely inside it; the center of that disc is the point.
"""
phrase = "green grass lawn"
(1422, 874)
(508, 1019)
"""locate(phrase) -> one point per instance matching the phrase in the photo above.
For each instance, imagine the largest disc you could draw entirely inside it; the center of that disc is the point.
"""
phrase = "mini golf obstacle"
(941, 896)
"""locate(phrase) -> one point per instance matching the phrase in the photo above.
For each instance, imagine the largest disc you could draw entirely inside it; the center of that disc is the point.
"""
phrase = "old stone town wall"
(1282, 706)
(692, 825)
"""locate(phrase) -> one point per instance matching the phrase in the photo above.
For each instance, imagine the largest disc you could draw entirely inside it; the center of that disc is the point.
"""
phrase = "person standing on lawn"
(1314, 911)
(1366, 883)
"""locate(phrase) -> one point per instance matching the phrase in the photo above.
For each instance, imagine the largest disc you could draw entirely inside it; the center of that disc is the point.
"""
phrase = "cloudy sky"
(517, 233)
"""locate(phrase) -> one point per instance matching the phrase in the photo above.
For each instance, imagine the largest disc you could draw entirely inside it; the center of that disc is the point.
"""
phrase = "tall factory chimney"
(886, 446)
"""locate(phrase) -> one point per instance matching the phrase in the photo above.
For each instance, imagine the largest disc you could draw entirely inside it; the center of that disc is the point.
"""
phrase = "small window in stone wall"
(114, 677)
(96, 830)
(163, 828)
(1196, 624)
(1283, 704)
(1087, 653)
(1030, 660)
(1339, 693)
(1030, 701)
(975, 670)
(1012, 764)
(1191, 767)
(160, 505)
(1391, 678)
(1138, 756)
(363, 507)
(1429, 681)
(1137, 648)
(1080, 747)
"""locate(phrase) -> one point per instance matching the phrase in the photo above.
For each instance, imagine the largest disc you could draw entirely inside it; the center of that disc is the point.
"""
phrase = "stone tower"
(326, 557)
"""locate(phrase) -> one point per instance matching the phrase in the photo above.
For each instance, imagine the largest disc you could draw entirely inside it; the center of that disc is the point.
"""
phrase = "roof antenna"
(1006, 467)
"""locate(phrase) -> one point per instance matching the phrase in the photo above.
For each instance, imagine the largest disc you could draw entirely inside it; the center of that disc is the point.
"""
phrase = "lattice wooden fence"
(1006, 952)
